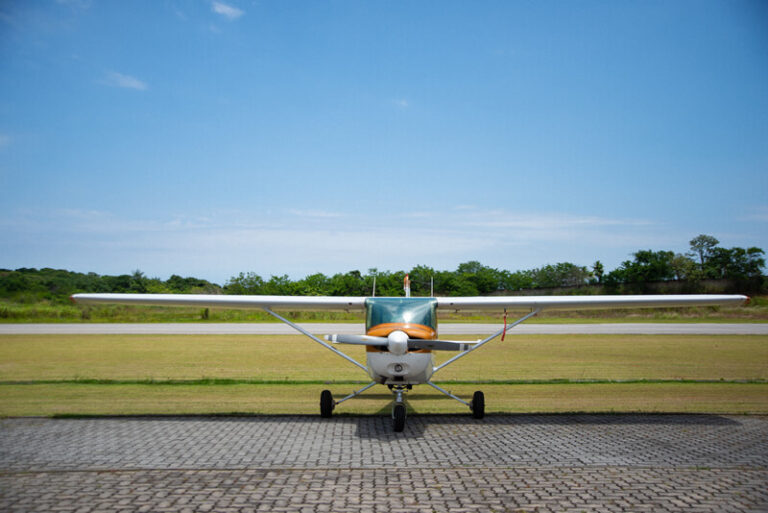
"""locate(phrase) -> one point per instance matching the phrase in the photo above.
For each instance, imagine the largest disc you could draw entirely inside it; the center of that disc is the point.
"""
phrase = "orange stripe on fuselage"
(412, 330)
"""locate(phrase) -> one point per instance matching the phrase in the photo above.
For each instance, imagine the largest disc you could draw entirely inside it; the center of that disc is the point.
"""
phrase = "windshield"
(408, 310)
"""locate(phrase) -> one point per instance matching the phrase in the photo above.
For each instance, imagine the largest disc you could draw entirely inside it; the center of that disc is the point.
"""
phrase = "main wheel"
(478, 405)
(326, 404)
(398, 418)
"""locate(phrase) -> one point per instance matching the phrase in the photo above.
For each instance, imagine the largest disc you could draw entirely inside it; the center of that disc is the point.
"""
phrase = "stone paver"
(440, 463)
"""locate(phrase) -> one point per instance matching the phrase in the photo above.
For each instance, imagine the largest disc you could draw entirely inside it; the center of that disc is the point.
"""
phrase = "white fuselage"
(412, 368)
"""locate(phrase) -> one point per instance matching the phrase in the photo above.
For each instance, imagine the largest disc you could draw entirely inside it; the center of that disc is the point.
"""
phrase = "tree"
(138, 282)
(684, 268)
(191, 285)
(316, 284)
(446, 283)
(250, 283)
(735, 263)
(350, 284)
(651, 266)
(483, 279)
(421, 280)
(598, 270)
(518, 280)
(755, 261)
(648, 266)
(279, 286)
(703, 246)
(562, 274)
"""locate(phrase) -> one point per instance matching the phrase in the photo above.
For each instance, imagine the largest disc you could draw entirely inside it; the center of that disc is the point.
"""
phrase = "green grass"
(202, 374)
(294, 357)
(88, 399)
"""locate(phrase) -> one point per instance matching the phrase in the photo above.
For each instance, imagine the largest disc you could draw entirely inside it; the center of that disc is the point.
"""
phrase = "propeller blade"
(365, 340)
(440, 345)
(413, 343)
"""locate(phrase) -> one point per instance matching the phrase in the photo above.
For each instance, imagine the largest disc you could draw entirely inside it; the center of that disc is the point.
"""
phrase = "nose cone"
(397, 342)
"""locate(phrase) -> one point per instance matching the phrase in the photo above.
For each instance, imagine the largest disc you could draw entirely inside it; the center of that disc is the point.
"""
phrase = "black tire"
(398, 418)
(478, 405)
(326, 404)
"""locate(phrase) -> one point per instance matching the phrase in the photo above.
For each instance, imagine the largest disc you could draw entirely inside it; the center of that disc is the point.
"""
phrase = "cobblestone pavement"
(697, 463)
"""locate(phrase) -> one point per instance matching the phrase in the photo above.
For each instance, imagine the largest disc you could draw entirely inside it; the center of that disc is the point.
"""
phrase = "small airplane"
(401, 332)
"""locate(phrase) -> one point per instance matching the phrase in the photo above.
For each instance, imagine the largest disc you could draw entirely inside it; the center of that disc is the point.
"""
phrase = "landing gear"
(478, 405)
(398, 410)
(326, 404)
(398, 418)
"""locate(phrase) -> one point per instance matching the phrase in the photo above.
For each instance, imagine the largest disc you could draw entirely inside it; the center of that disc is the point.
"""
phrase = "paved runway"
(353, 328)
(692, 463)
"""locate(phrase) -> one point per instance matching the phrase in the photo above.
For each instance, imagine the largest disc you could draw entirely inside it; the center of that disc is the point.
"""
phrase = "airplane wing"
(486, 303)
(483, 303)
(292, 303)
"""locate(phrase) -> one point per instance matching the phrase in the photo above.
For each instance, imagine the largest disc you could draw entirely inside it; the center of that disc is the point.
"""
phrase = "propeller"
(398, 342)
(365, 340)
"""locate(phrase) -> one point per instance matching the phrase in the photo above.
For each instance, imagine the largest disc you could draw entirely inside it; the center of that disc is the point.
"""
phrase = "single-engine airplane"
(401, 332)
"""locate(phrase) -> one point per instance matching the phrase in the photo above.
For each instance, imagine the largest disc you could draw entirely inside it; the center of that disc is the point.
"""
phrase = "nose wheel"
(398, 418)
(398, 410)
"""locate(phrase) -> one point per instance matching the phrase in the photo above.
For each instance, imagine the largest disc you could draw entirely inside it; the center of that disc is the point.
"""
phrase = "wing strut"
(488, 339)
(448, 393)
(355, 394)
(305, 332)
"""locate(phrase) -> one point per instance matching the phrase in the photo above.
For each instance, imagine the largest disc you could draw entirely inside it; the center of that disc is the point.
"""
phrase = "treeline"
(741, 268)
(28, 285)
(705, 261)
(469, 279)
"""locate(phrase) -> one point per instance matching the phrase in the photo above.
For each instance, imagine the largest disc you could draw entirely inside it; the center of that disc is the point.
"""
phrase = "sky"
(208, 138)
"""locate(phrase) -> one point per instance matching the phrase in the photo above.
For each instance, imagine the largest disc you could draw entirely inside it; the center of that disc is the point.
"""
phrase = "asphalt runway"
(353, 328)
(510, 463)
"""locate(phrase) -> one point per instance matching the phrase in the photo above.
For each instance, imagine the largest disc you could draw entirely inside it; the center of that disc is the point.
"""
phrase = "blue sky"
(211, 138)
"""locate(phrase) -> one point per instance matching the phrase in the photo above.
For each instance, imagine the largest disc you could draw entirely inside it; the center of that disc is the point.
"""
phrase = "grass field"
(164, 374)
(296, 358)
(86, 399)
(43, 311)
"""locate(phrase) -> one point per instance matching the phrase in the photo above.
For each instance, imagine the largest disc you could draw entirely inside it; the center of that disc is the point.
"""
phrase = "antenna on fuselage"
(407, 286)
(431, 286)
(374, 287)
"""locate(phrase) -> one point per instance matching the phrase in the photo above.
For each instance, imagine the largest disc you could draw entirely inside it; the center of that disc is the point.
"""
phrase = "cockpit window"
(409, 310)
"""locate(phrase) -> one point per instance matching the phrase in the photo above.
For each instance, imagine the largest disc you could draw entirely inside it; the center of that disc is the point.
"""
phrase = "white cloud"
(218, 245)
(115, 79)
(401, 103)
(759, 214)
(228, 11)
(179, 13)
(314, 213)
(552, 221)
